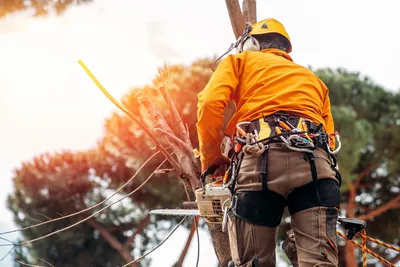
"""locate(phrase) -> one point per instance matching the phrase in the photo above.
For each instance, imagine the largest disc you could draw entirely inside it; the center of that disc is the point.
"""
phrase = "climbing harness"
(304, 137)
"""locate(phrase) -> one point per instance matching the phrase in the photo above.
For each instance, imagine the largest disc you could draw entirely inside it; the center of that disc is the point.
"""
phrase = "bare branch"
(249, 11)
(160, 123)
(187, 148)
(51, 265)
(236, 17)
(186, 168)
(383, 208)
(41, 214)
(26, 264)
(188, 241)
(143, 223)
(91, 207)
(162, 171)
(362, 174)
(114, 243)
(31, 265)
(94, 214)
(184, 134)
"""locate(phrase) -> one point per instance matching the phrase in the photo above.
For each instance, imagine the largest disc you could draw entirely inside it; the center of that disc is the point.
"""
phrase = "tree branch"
(114, 243)
(177, 141)
(163, 171)
(186, 167)
(236, 17)
(396, 259)
(362, 174)
(383, 208)
(160, 123)
(249, 11)
(188, 241)
(119, 228)
(184, 134)
(143, 223)
(183, 130)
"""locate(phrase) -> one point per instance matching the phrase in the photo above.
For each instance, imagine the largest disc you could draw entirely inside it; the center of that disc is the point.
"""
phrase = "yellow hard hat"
(270, 26)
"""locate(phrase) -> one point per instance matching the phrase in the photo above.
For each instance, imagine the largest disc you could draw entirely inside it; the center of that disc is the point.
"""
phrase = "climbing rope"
(365, 250)
(255, 149)
(381, 243)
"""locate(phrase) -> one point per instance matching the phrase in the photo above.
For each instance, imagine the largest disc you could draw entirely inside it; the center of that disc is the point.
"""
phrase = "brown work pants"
(289, 182)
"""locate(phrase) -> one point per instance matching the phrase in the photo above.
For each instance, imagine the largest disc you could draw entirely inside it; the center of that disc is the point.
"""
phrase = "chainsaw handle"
(211, 169)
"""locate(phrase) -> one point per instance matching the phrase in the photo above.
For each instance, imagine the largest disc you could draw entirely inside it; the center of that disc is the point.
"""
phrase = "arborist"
(283, 140)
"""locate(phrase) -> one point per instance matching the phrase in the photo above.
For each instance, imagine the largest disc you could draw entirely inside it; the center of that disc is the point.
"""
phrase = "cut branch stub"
(249, 11)
(236, 17)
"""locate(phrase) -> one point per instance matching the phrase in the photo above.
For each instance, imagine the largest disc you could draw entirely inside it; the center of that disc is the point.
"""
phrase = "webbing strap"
(314, 175)
(264, 169)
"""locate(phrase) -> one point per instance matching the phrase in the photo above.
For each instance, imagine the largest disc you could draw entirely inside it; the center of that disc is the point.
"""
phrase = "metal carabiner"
(225, 217)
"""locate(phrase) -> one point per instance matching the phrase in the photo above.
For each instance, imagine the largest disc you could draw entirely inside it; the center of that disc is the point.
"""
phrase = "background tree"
(38, 7)
(50, 186)
(368, 118)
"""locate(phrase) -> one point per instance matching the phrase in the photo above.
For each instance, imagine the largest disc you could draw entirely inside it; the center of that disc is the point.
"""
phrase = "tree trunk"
(220, 241)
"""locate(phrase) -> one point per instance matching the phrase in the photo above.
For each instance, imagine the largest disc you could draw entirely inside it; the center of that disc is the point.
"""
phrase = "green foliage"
(368, 119)
(39, 7)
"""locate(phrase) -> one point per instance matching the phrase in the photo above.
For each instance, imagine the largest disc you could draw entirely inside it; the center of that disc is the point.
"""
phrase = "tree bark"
(220, 241)
(236, 17)
(250, 11)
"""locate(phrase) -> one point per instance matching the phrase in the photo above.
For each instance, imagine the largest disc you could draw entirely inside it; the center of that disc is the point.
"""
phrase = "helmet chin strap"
(238, 44)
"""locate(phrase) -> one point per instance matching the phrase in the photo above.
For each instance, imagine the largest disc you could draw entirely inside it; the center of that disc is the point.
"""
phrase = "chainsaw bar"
(177, 212)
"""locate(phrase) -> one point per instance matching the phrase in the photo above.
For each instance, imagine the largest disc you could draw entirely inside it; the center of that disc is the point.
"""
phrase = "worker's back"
(269, 81)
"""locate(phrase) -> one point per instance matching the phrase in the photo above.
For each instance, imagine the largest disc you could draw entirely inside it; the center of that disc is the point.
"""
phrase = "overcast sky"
(47, 103)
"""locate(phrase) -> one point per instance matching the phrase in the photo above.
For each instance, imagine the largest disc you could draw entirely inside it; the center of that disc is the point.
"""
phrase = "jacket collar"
(277, 52)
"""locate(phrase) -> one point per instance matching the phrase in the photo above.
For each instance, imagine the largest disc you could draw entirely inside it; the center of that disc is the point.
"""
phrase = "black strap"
(311, 160)
(237, 159)
(264, 168)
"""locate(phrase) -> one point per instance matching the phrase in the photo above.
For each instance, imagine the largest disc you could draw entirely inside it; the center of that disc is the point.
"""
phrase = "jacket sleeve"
(212, 101)
(327, 116)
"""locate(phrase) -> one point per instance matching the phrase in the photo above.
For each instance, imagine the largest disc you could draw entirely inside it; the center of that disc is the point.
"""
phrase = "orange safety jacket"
(259, 83)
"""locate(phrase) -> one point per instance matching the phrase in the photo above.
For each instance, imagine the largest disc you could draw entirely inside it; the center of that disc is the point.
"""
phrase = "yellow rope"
(373, 240)
(388, 263)
(364, 249)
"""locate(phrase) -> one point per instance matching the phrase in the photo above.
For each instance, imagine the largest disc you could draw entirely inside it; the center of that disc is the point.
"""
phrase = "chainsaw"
(212, 201)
